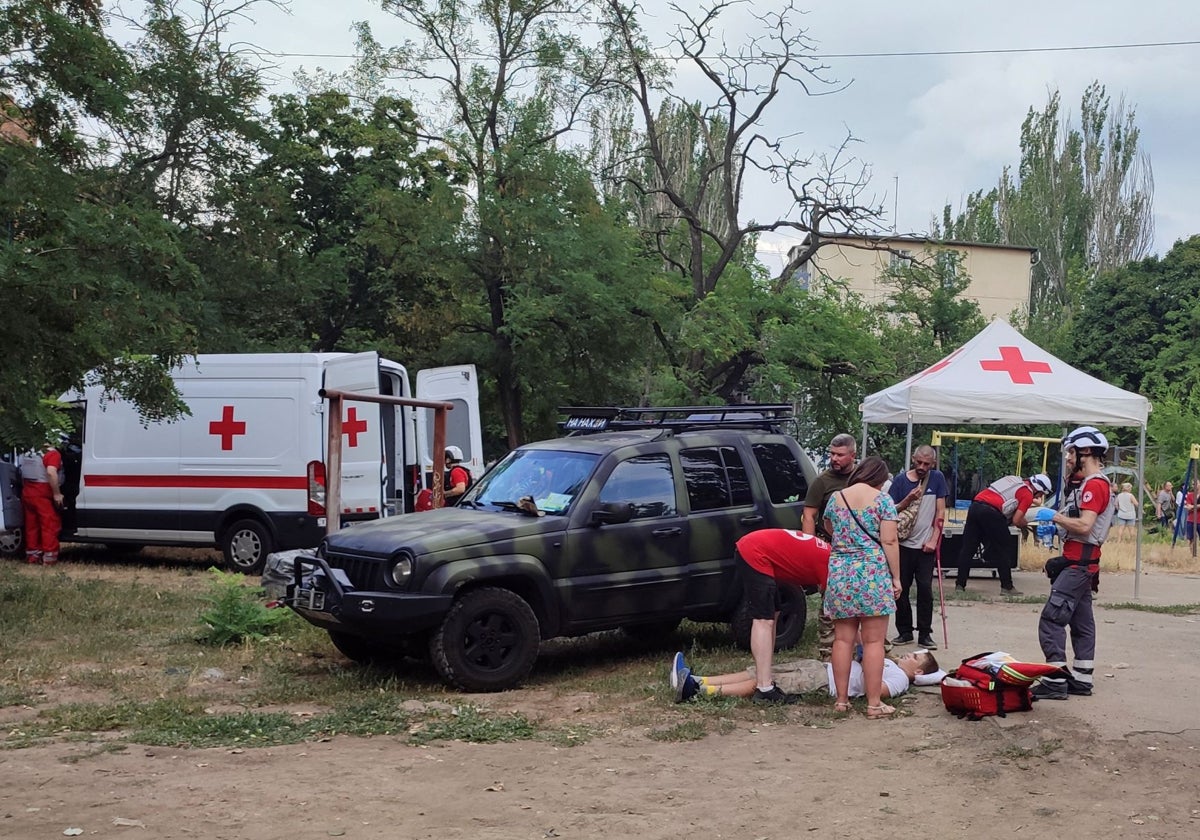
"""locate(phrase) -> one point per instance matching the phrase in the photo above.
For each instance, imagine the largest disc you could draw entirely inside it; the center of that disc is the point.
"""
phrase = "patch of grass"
(570, 736)
(102, 749)
(15, 695)
(688, 730)
(1165, 609)
(378, 714)
(467, 723)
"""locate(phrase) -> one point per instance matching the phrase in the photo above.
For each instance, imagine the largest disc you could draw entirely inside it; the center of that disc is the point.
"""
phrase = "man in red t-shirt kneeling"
(771, 557)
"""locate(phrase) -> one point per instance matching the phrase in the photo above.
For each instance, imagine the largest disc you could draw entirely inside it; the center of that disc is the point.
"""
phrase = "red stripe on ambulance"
(187, 482)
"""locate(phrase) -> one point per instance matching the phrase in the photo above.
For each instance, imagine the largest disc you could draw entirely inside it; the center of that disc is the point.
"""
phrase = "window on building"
(947, 265)
(900, 258)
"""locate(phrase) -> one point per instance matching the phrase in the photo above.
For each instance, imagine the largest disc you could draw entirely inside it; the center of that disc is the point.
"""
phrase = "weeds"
(236, 612)
(467, 723)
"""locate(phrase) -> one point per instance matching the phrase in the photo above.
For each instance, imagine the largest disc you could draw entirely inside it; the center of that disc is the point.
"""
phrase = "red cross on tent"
(227, 428)
(352, 426)
(1019, 369)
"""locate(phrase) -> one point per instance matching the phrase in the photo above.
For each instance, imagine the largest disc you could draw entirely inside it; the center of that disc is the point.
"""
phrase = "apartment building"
(1000, 275)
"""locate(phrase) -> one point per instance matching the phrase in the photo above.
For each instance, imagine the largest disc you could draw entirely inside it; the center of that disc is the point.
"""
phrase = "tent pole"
(1137, 551)
(907, 447)
(863, 451)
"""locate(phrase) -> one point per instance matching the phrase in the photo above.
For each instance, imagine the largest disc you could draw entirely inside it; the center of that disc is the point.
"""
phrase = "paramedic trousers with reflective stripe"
(1069, 605)
(42, 523)
(988, 526)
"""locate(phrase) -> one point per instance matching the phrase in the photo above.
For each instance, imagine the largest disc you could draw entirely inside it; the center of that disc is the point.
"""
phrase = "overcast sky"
(933, 128)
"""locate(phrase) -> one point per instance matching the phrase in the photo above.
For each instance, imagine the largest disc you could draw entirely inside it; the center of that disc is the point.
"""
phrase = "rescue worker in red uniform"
(1084, 519)
(41, 500)
(1001, 503)
(770, 557)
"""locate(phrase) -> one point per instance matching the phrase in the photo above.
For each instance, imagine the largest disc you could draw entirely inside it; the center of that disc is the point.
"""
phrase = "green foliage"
(468, 723)
(1082, 196)
(236, 612)
(688, 730)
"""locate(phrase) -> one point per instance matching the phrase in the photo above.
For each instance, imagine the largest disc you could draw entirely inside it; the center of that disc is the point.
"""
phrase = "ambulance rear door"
(459, 385)
(363, 471)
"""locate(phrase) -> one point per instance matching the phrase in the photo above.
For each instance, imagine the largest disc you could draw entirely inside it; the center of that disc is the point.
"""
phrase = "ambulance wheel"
(246, 544)
(11, 542)
(488, 641)
(793, 613)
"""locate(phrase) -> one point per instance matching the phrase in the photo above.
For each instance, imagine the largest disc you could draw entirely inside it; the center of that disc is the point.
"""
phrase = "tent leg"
(1137, 551)
(908, 446)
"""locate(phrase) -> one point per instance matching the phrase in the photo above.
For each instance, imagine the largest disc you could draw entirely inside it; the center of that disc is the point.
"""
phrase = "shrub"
(236, 611)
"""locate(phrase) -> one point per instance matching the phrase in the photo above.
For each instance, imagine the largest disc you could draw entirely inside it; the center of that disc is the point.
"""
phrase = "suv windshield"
(551, 478)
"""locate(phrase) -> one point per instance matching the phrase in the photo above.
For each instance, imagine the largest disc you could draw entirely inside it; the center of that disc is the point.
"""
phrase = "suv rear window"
(715, 477)
(782, 472)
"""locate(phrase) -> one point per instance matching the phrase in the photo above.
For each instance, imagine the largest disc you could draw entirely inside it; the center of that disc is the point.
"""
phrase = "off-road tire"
(790, 627)
(488, 641)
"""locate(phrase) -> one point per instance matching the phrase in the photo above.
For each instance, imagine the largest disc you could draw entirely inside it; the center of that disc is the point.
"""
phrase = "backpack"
(993, 684)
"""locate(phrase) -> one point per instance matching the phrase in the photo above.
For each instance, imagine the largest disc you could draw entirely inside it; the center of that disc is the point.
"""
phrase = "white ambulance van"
(245, 470)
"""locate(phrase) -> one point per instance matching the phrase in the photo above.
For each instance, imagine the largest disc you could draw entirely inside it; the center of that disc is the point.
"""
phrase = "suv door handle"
(666, 532)
(751, 519)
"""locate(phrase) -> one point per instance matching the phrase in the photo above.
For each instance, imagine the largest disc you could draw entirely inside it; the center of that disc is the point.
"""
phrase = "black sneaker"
(1010, 592)
(1050, 691)
(903, 639)
(960, 587)
(1078, 687)
(775, 697)
(926, 641)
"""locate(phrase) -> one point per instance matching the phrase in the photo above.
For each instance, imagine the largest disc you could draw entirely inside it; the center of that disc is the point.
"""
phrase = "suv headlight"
(402, 569)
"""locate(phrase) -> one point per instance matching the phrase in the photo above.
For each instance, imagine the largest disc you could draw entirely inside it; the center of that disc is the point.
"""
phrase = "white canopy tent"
(1000, 376)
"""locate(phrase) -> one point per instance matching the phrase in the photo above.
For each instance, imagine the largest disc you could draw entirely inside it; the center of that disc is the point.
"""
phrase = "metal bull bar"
(333, 469)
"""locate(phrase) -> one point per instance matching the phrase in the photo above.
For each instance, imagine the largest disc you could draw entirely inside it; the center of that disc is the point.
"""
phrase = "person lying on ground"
(801, 677)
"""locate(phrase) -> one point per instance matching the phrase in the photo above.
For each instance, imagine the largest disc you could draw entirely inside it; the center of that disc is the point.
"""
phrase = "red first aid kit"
(992, 684)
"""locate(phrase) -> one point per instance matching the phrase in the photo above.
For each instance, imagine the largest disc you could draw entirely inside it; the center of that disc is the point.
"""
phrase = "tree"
(929, 297)
(91, 280)
(346, 224)
(1083, 197)
(516, 79)
(690, 159)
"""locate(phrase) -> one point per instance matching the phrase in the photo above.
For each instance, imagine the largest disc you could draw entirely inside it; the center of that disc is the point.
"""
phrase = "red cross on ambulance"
(227, 428)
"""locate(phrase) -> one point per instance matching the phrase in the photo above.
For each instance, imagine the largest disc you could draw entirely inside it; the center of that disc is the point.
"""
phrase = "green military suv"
(627, 522)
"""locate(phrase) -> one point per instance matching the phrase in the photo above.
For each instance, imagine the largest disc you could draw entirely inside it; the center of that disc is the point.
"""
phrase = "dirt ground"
(1123, 763)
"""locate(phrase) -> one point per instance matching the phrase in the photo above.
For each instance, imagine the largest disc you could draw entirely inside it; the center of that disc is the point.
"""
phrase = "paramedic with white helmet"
(1084, 518)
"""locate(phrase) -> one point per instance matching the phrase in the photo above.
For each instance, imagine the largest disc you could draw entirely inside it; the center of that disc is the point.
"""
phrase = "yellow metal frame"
(1021, 440)
(953, 516)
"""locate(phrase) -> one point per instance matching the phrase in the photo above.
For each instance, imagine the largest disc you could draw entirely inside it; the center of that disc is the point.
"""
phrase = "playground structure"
(956, 508)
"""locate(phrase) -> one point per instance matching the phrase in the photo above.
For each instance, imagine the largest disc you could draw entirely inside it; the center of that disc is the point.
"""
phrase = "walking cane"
(937, 559)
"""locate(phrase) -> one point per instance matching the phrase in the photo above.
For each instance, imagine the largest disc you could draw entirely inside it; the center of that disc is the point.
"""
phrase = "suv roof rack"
(591, 419)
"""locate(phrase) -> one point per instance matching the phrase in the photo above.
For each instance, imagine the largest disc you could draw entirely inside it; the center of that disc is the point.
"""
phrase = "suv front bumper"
(324, 596)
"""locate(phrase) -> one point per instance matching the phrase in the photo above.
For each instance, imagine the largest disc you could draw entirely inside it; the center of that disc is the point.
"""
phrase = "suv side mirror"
(612, 513)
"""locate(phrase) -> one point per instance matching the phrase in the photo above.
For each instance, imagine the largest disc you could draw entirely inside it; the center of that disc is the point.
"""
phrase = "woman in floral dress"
(864, 579)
